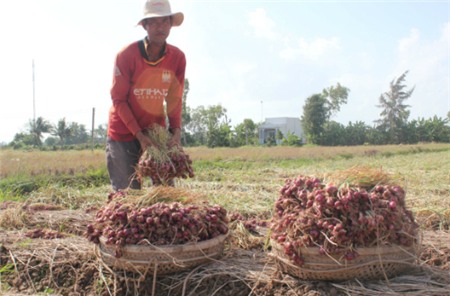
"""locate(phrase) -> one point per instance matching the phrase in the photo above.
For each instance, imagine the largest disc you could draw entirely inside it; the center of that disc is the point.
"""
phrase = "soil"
(49, 255)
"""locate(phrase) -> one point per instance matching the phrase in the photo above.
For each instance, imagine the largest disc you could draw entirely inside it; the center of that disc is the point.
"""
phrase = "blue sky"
(257, 59)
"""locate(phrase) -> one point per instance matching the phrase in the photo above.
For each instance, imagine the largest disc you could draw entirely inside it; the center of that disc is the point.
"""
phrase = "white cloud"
(424, 58)
(405, 44)
(263, 26)
(243, 68)
(311, 51)
(365, 60)
(428, 64)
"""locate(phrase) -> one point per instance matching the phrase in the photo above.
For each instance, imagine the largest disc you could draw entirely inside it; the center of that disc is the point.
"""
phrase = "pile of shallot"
(123, 223)
(339, 220)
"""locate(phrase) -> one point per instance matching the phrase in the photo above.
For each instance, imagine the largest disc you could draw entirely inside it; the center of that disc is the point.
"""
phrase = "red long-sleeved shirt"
(139, 91)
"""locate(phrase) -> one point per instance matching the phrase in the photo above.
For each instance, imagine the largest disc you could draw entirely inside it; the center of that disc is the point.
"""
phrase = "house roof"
(274, 122)
(270, 125)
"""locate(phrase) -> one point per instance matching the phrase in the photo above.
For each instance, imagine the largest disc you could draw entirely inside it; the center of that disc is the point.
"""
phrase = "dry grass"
(17, 162)
(165, 194)
(244, 180)
(360, 176)
(33, 163)
(287, 152)
(14, 217)
(69, 267)
(247, 179)
(253, 189)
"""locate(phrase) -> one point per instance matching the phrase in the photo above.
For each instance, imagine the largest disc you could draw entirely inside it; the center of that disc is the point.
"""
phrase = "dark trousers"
(121, 160)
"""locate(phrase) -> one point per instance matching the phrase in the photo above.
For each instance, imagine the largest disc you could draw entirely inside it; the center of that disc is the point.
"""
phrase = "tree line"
(392, 127)
(62, 135)
(210, 126)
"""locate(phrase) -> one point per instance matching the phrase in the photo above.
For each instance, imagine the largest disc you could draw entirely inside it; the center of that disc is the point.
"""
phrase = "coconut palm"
(37, 128)
(394, 114)
(62, 130)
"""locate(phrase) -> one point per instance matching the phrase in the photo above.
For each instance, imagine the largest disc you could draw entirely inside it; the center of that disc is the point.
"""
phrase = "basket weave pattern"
(161, 259)
(371, 263)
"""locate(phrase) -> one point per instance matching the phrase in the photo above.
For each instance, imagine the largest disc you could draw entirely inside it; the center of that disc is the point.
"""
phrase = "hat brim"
(177, 18)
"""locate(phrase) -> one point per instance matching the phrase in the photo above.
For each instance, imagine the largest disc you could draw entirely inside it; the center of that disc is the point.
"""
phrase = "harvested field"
(68, 266)
(43, 217)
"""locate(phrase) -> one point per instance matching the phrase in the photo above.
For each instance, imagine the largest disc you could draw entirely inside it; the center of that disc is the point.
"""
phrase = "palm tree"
(37, 128)
(394, 113)
(62, 130)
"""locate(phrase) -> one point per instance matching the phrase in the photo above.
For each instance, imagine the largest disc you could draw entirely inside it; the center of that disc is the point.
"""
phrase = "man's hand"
(175, 140)
(144, 140)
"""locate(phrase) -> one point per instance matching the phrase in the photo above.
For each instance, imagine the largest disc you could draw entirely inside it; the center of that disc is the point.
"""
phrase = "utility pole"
(93, 124)
(34, 99)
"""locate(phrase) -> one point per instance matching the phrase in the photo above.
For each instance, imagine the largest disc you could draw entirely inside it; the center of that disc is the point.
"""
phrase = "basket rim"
(376, 250)
(190, 246)
(105, 255)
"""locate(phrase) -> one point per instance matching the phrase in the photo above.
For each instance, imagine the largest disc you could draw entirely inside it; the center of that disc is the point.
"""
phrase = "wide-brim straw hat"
(160, 8)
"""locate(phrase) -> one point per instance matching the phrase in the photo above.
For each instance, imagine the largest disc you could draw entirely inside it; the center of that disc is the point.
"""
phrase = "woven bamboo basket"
(371, 263)
(161, 259)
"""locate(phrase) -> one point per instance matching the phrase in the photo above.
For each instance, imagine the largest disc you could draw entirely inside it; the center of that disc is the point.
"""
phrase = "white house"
(270, 127)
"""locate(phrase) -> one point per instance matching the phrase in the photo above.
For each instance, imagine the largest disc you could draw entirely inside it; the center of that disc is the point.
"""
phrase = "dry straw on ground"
(155, 194)
(361, 176)
(14, 217)
(68, 266)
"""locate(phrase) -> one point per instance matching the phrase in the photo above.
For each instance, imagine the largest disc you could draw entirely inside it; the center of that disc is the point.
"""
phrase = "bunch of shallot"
(162, 162)
(309, 213)
(158, 224)
(164, 166)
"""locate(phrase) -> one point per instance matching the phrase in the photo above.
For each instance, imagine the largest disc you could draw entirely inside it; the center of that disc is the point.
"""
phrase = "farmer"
(147, 74)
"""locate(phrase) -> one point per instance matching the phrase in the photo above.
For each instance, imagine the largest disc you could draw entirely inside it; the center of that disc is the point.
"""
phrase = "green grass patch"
(18, 187)
(21, 185)
(7, 268)
(25, 243)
